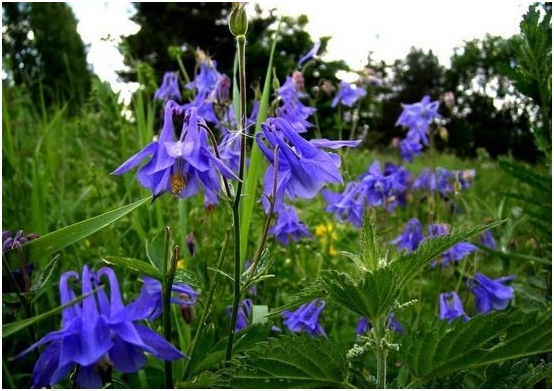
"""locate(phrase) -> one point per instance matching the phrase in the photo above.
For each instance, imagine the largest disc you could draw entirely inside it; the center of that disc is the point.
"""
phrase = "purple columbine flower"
(487, 239)
(305, 318)
(348, 206)
(450, 307)
(288, 228)
(348, 95)
(150, 298)
(409, 149)
(417, 117)
(453, 254)
(243, 314)
(490, 294)
(207, 77)
(291, 109)
(98, 334)
(181, 167)
(303, 168)
(411, 237)
(169, 88)
(312, 53)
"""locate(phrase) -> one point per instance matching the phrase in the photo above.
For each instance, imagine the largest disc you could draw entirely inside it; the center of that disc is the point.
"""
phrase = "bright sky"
(388, 28)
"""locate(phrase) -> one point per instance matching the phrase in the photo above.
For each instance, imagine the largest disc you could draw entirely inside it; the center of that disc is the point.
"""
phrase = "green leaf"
(407, 264)
(373, 295)
(155, 250)
(441, 349)
(370, 251)
(57, 240)
(292, 361)
(12, 328)
(41, 277)
(188, 278)
(138, 266)
(518, 375)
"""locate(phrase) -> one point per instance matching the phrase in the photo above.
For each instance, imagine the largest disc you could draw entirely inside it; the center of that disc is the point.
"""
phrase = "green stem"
(208, 304)
(381, 352)
(167, 283)
(241, 44)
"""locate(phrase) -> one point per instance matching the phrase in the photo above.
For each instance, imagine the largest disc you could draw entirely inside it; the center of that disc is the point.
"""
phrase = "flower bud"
(238, 21)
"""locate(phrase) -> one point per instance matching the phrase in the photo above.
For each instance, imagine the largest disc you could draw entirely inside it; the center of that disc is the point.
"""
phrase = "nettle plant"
(260, 159)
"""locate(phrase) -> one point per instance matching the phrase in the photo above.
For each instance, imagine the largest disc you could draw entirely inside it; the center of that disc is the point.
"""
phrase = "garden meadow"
(210, 237)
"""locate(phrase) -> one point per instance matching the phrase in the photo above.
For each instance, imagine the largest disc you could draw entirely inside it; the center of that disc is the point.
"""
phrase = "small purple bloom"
(288, 228)
(243, 314)
(348, 206)
(453, 254)
(305, 318)
(417, 117)
(363, 326)
(491, 294)
(348, 94)
(450, 307)
(150, 298)
(409, 149)
(411, 237)
(486, 239)
(97, 334)
(291, 109)
(312, 53)
(169, 88)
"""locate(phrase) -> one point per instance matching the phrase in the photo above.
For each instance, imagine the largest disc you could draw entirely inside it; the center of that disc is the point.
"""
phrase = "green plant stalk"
(255, 166)
(381, 350)
(208, 304)
(241, 47)
(168, 275)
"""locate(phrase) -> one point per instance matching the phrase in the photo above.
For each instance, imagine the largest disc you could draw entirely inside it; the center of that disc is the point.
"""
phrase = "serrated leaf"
(292, 361)
(372, 295)
(518, 375)
(407, 264)
(138, 266)
(47, 244)
(188, 278)
(214, 354)
(369, 245)
(441, 349)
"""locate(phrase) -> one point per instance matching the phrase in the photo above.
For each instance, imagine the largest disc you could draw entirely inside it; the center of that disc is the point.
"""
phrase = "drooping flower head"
(169, 89)
(348, 206)
(243, 314)
(417, 117)
(450, 307)
(98, 334)
(490, 294)
(411, 237)
(348, 94)
(20, 277)
(288, 228)
(453, 254)
(305, 318)
(487, 239)
(291, 107)
(150, 298)
(181, 166)
(302, 168)
(312, 53)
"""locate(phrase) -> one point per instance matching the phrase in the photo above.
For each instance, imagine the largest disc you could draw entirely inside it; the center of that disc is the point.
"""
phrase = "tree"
(490, 113)
(43, 50)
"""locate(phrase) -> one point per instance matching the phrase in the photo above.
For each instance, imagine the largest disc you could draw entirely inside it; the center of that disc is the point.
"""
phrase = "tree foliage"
(43, 50)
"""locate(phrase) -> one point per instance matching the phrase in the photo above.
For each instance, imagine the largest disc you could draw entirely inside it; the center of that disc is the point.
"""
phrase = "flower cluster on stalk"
(99, 333)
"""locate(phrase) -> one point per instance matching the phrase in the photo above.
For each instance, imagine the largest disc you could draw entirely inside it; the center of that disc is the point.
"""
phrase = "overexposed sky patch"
(387, 28)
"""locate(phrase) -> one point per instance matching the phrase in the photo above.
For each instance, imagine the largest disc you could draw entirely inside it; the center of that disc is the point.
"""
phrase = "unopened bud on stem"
(238, 22)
